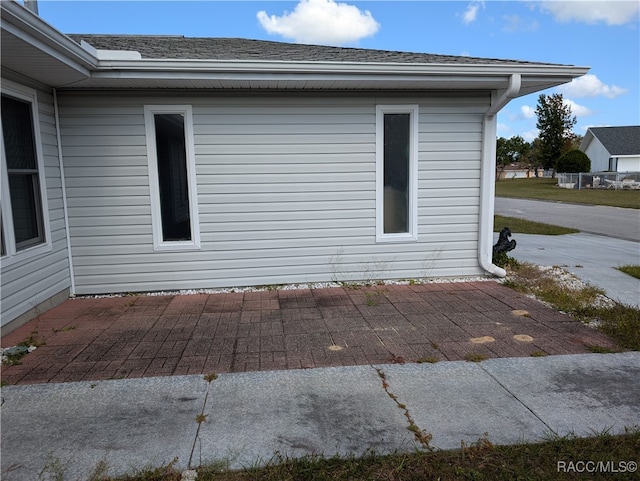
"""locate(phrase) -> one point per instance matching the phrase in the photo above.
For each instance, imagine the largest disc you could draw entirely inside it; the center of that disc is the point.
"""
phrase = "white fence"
(600, 180)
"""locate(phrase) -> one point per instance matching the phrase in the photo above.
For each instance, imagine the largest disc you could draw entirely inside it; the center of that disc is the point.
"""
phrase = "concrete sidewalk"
(133, 423)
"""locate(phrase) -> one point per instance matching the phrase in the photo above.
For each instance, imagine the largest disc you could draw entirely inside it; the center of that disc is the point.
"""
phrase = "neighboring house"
(613, 149)
(143, 163)
(517, 172)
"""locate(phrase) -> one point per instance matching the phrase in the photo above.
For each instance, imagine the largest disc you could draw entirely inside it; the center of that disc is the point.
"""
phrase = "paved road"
(593, 219)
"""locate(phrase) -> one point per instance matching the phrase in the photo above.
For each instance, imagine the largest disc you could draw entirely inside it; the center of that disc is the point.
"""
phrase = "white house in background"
(613, 149)
(141, 163)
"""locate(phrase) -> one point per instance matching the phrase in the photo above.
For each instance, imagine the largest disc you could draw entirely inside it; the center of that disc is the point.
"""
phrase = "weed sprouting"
(538, 354)
(200, 418)
(600, 349)
(429, 359)
(64, 329)
(371, 298)
(422, 436)
(475, 357)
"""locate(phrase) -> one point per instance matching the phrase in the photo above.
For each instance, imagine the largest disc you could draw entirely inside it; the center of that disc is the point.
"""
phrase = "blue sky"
(604, 35)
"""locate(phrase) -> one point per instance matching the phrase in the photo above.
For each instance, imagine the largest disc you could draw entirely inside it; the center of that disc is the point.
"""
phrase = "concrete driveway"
(610, 238)
(592, 258)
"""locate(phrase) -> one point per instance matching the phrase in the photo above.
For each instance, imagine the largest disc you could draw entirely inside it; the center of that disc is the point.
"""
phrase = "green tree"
(511, 151)
(532, 158)
(574, 161)
(555, 124)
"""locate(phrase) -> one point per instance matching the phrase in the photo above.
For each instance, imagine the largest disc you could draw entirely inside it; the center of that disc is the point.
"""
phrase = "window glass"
(396, 172)
(22, 172)
(172, 175)
(17, 131)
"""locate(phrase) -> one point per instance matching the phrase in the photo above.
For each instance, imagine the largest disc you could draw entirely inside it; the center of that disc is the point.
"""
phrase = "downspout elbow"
(512, 91)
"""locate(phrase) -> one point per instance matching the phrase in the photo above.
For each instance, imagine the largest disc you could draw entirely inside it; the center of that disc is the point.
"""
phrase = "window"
(172, 177)
(24, 219)
(396, 173)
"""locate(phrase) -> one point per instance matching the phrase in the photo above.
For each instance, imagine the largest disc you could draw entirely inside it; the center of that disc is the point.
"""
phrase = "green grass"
(621, 322)
(547, 189)
(481, 460)
(521, 226)
(632, 270)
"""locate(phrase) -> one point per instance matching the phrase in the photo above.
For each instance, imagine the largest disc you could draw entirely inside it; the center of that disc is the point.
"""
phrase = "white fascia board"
(586, 141)
(30, 28)
(186, 65)
(535, 76)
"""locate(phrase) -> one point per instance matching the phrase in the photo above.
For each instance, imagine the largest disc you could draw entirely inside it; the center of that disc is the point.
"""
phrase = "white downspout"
(487, 176)
(64, 192)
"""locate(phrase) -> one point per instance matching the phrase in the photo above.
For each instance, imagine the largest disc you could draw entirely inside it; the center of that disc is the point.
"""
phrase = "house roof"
(33, 48)
(617, 140)
(181, 47)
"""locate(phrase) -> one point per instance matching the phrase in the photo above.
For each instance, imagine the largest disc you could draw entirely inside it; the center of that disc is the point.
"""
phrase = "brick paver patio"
(140, 336)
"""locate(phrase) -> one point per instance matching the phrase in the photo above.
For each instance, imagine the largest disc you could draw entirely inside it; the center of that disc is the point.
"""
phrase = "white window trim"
(12, 255)
(412, 235)
(156, 217)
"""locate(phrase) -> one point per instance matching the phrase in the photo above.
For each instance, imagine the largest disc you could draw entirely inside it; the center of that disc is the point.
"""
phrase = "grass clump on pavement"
(632, 270)
(547, 189)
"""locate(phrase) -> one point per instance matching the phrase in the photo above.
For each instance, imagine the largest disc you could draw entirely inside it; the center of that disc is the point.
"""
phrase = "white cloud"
(527, 112)
(530, 135)
(513, 23)
(321, 21)
(593, 11)
(471, 13)
(503, 129)
(577, 109)
(591, 86)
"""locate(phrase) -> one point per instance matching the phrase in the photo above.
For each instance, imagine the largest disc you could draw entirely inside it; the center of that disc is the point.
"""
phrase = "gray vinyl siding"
(286, 191)
(34, 279)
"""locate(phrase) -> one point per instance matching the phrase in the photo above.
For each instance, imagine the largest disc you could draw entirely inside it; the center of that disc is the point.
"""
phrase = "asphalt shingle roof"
(180, 47)
(619, 140)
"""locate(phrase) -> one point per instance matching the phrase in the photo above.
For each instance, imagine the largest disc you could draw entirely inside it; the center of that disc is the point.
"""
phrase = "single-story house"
(146, 163)
(613, 149)
(517, 172)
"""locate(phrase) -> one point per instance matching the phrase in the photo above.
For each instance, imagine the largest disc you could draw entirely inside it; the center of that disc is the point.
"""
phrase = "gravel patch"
(287, 287)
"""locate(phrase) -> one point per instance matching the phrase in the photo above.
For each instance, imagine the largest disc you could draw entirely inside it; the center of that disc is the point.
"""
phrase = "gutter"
(109, 60)
(487, 176)
(26, 25)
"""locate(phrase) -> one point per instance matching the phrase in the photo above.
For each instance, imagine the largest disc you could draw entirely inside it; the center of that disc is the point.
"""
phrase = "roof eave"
(186, 65)
(24, 24)
(302, 74)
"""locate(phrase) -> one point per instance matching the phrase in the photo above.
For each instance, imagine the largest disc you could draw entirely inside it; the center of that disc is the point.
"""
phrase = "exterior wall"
(629, 163)
(286, 190)
(32, 280)
(599, 156)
